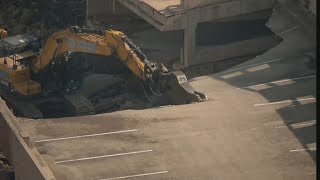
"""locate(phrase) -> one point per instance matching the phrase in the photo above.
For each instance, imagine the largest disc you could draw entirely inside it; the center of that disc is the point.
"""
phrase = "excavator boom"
(165, 86)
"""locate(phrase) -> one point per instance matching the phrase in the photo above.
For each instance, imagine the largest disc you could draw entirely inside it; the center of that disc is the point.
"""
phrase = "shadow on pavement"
(299, 116)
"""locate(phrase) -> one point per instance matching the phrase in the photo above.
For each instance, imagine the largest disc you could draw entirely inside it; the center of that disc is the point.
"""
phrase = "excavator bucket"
(177, 90)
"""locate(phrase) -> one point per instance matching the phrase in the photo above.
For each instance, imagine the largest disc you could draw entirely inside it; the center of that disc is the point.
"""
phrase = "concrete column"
(189, 48)
(87, 11)
(113, 6)
(313, 6)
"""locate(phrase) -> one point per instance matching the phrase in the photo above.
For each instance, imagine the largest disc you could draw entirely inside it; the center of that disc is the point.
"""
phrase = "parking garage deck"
(258, 124)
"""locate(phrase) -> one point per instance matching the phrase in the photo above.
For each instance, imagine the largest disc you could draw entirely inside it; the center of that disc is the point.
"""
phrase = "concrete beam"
(265, 14)
(198, 11)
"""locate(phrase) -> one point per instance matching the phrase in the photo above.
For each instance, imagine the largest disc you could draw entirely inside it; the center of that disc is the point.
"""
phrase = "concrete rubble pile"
(41, 17)
(16, 16)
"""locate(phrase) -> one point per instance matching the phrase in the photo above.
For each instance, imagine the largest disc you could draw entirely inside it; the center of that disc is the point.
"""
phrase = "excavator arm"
(166, 86)
(92, 42)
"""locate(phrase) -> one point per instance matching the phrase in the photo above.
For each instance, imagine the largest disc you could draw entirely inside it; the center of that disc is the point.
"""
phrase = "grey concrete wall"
(105, 7)
(98, 7)
(15, 145)
(313, 6)
(310, 5)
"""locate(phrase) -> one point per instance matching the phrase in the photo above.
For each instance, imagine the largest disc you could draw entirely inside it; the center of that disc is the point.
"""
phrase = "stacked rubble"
(41, 17)
(16, 16)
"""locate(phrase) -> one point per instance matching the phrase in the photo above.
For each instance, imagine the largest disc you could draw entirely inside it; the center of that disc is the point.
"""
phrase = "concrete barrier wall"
(189, 4)
(15, 145)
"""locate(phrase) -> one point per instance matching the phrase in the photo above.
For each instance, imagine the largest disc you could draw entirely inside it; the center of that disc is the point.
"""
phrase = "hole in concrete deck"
(106, 86)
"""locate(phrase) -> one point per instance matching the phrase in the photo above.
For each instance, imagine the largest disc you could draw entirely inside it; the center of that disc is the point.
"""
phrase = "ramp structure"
(189, 15)
(185, 15)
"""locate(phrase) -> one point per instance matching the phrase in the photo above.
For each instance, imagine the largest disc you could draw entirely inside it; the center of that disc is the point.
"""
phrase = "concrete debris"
(18, 29)
(27, 16)
(40, 17)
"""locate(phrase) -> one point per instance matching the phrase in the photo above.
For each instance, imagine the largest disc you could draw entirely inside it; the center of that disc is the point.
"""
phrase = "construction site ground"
(258, 124)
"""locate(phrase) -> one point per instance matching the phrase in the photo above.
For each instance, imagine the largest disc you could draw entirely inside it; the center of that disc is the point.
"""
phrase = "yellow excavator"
(30, 80)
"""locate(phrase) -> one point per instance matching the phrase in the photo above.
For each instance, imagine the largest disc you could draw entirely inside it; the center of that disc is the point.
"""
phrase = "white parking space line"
(105, 156)
(252, 65)
(88, 135)
(137, 175)
(306, 149)
(270, 61)
(287, 30)
(280, 81)
(300, 125)
(285, 101)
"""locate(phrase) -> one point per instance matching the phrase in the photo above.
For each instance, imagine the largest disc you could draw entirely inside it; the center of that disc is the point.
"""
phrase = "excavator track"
(79, 105)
